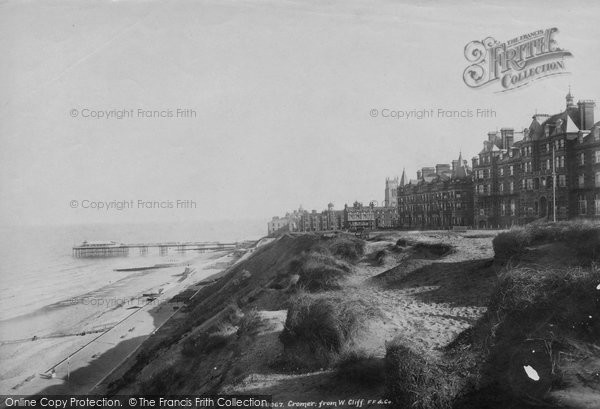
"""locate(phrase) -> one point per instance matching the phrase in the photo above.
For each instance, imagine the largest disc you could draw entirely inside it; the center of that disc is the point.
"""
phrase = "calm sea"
(37, 268)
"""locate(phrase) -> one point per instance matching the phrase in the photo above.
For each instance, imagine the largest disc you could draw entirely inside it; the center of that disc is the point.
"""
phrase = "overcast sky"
(282, 92)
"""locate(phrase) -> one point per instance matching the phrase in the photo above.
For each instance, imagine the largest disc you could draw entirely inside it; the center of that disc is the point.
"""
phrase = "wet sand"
(85, 338)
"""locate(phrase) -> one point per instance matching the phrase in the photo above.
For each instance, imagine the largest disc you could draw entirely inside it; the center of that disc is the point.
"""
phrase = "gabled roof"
(570, 126)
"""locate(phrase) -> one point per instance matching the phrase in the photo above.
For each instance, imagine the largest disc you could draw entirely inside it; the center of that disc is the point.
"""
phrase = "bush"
(321, 328)
(432, 249)
(537, 318)
(250, 323)
(582, 237)
(510, 244)
(529, 301)
(347, 248)
(319, 271)
(402, 242)
(414, 381)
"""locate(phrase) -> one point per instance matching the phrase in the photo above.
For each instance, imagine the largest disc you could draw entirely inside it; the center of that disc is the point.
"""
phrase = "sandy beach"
(84, 338)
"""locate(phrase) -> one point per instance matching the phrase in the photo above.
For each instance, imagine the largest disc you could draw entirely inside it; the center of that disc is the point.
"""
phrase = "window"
(561, 143)
(502, 187)
(597, 179)
(529, 184)
(562, 180)
(582, 205)
(581, 158)
(580, 138)
(547, 163)
(581, 180)
(597, 205)
(501, 171)
(597, 134)
(597, 156)
(502, 209)
(562, 161)
(512, 207)
(511, 170)
(511, 186)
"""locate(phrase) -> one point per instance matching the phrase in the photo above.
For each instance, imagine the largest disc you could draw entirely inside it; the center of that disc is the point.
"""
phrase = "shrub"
(415, 381)
(432, 249)
(322, 327)
(527, 301)
(402, 242)
(536, 318)
(250, 323)
(377, 258)
(582, 237)
(347, 248)
(510, 244)
(319, 271)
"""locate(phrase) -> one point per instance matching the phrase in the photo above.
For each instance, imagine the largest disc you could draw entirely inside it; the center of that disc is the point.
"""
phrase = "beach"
(84, 337)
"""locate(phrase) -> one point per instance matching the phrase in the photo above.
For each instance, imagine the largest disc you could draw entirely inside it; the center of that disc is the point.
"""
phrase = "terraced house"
(440, 198)
(552, 173)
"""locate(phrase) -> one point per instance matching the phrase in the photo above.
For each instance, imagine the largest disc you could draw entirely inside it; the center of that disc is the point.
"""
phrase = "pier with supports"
(114, 249)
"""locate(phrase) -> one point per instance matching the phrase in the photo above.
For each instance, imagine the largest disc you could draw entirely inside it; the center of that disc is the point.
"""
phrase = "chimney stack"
(586, 114)
(508, 137)
(440, 168)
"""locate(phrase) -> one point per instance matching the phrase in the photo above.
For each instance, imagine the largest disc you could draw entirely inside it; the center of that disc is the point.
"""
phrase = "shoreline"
(82, 359)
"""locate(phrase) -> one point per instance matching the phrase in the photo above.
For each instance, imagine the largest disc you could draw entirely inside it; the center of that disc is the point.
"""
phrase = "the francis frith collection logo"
(514, 63)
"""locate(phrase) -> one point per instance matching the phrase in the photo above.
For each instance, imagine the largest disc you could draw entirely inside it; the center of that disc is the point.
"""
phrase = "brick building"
(441, 197)
(514, 181)
(551, 172)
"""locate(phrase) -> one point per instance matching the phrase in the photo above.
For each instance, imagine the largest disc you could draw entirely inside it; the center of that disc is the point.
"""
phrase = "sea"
(37, 267)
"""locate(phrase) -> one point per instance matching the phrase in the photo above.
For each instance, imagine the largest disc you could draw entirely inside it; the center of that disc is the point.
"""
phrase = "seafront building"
(552, 172)
(441, 197)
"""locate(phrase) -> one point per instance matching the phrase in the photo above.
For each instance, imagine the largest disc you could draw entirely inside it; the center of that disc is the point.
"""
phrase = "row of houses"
(354, 218)
(551, 172)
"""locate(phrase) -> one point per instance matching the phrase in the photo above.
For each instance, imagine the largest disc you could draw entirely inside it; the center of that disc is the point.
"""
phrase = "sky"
(279, 96)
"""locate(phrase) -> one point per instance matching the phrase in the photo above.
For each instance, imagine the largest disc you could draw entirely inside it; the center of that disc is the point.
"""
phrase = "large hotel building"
(552, 172)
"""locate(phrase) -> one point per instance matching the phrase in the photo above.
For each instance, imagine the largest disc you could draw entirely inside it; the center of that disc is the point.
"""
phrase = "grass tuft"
(319, 328)
(582, 237)
(414, 380)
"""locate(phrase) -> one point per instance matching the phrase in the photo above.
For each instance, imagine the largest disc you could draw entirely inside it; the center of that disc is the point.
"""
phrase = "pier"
(113, 249)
